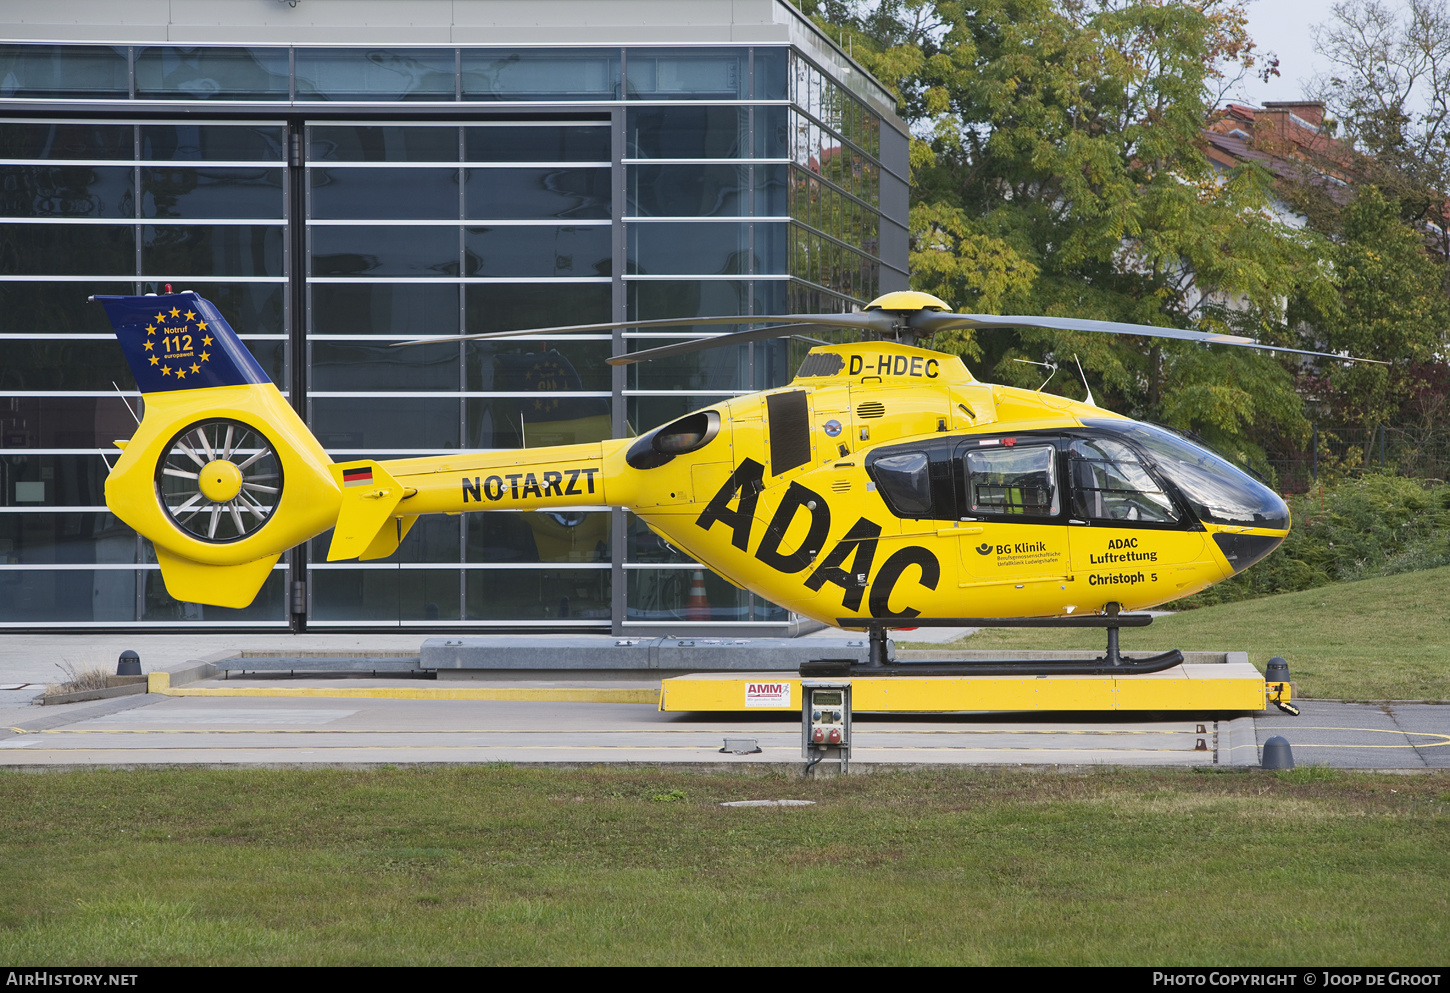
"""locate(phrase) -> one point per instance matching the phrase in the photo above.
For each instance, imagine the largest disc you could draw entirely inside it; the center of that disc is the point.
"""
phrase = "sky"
(1285, 27)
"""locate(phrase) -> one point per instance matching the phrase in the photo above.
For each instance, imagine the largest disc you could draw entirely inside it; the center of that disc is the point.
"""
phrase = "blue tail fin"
(179, 342)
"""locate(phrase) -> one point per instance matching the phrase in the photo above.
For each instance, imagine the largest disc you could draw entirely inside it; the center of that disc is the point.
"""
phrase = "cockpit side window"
(1016, 481)
(905, 482)
(1109, 483)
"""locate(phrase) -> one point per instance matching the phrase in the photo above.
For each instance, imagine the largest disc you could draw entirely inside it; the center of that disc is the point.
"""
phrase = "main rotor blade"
(876, 320)
(700, 344)
(932, 322)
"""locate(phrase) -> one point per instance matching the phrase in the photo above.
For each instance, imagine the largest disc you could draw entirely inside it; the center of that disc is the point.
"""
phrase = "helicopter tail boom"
(380, 500)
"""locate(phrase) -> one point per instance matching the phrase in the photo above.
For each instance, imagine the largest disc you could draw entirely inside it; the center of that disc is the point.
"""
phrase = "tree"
(1389, 96)
(1059, 169)
(1389, 304)
(1388, 215)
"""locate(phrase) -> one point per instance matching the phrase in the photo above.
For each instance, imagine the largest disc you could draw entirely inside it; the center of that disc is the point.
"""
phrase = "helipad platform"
(1221, 682)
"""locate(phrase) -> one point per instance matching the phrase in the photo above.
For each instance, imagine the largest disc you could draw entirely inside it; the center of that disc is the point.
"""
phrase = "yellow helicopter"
(884, 487)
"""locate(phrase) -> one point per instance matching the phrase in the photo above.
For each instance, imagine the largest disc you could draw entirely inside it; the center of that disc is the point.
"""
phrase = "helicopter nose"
(1217, 491)
(1243, 550)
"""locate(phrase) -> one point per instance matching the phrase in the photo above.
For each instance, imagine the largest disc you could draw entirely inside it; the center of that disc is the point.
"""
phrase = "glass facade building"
(333, 201)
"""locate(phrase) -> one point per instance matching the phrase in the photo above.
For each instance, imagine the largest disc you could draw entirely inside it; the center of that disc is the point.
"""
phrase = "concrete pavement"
(242, 731)
(329, 729)
(306, 731)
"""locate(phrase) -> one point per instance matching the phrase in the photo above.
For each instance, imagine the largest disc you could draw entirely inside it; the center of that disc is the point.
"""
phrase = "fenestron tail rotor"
(899, 316)
(219, 480)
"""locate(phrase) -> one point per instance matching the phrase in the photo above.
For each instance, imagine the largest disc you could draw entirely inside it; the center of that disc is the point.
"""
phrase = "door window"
(1016, 481)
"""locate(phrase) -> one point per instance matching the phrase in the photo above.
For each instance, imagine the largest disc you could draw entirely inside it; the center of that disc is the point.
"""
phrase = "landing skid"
(882, 661)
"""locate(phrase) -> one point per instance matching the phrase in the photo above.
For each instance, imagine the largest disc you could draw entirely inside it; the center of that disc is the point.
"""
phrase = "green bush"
(1376, 525)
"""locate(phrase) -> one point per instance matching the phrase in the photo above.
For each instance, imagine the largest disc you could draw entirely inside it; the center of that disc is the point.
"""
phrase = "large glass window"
(690, 249)
(61, 365)
(540, 142)
(66, 71)
(580, 594)
(423, 230)
(375, 74)
(509, 306)
(250, 192)
(201, 201)
(538, 251)
(71, 250)
(50, 142)
(687, 132)
(403, 309)
(687, 74)
(562, 536)
(207, 73)
(58, 190)
(385, 594)
(540, 74)
(213, 142)
(385, 194)
(689, 191)
(395, 143)
(346, 366)
(750, 182)
(385, 250)
(212, 251)
(664, 596)
(562, 192)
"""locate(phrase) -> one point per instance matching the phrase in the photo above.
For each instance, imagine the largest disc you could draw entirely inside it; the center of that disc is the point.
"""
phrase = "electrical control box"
(828, 717)
(825, 721)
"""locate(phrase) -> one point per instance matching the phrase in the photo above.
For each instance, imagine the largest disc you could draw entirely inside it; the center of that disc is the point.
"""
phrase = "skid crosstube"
(1112, 662)
(1003, 667)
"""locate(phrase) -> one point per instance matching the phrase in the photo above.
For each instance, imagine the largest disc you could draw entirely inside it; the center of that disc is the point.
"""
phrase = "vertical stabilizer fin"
(179, 342)
(219, 585)
(369, 496)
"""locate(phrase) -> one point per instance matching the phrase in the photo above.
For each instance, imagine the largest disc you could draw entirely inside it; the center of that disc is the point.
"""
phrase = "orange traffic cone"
(697, 607)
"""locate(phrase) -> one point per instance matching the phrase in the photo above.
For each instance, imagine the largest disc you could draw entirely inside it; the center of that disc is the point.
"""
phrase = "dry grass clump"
(77, 679)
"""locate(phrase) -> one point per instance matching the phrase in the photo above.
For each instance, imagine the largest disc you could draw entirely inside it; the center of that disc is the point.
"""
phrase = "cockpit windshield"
(1218, 492)
(1110, 484)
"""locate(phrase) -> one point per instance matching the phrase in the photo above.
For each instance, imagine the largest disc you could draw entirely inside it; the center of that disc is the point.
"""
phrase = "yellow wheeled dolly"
(1233, 685)
(984, 681)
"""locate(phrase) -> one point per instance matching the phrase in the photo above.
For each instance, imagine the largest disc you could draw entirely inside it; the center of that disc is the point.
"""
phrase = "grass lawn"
(614, 866)
(1377, 639)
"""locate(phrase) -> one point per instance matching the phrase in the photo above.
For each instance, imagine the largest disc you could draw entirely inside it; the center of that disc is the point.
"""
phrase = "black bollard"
(129, 664)
(1277, 754)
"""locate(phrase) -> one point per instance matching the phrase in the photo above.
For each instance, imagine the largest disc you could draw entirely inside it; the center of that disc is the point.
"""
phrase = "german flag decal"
(357, 477)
